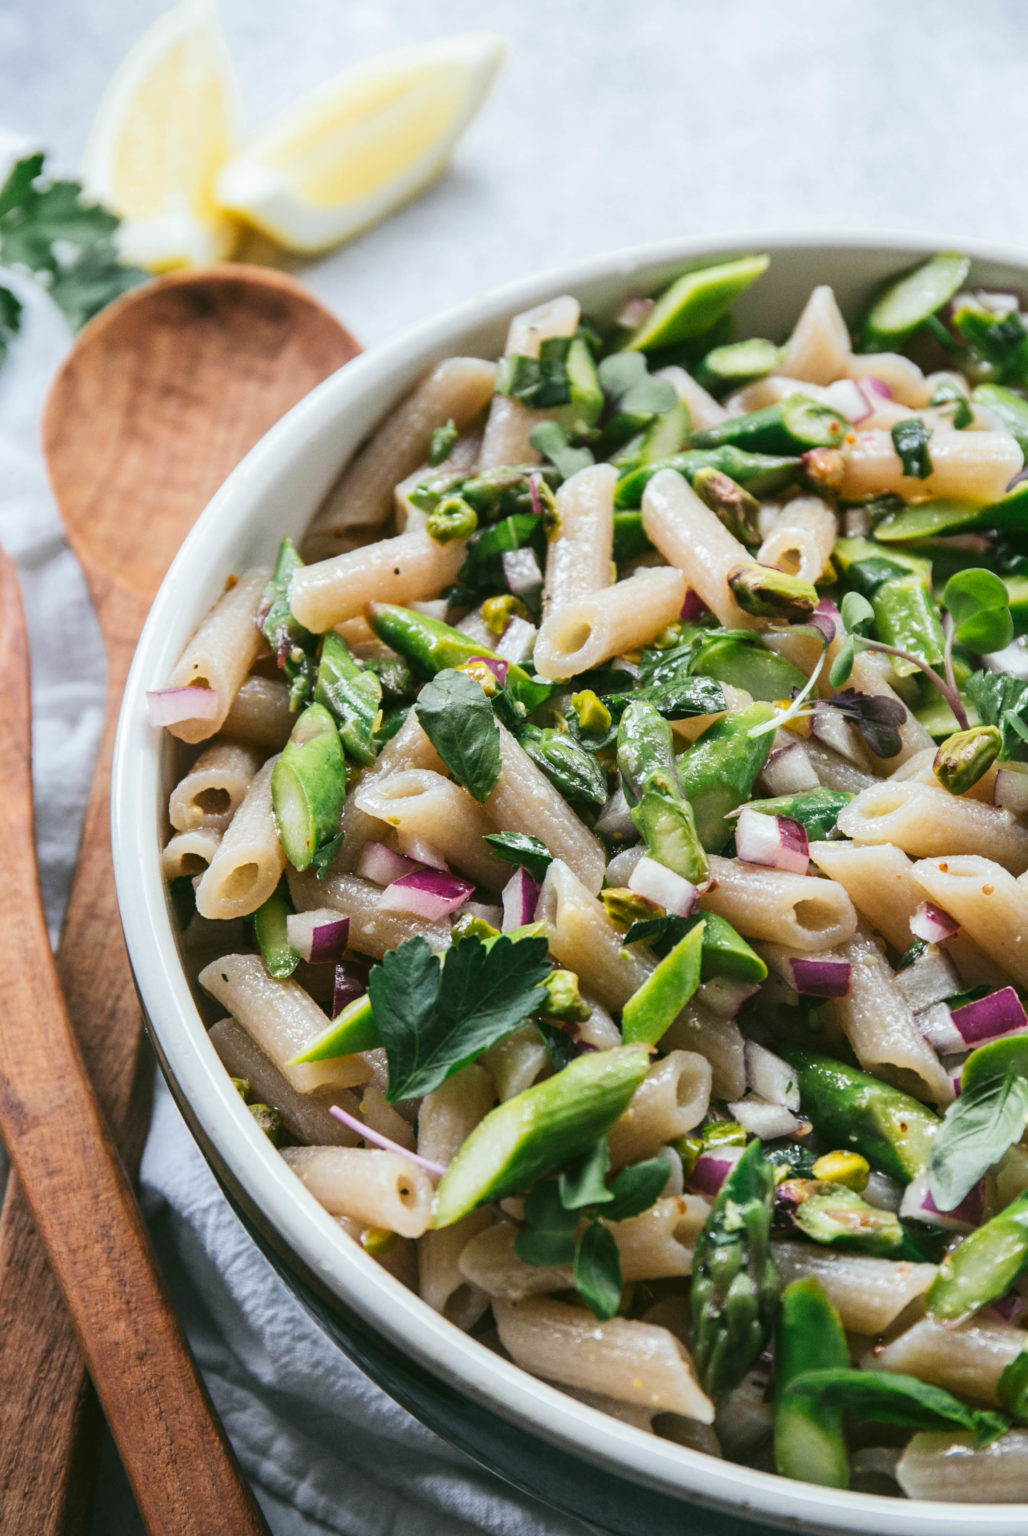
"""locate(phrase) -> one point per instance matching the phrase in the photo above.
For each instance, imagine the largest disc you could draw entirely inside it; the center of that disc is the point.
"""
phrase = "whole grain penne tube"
(903, 377)
(585, 940)
(580, 550)
(977, 466)
(772, 904)
(409, 566)
(672, 1098)
(210, 793)
(282, 1019)
(988, 903)
(583, 633)
(441, 1282)
(510, 423)
(819, 348)
(381, 1189)
(717, 1039)
(221, 652)
(426, 805)
(516, 1061)
(968, 1360)
(373, 929)
(250, 858)
(305, 1115)
(878, 1023)
(632, 1362)
(953, 1466)
(704, 410)
(409, 749)
(456, 390)
(802, 538)
(869, 1294)
(189, 853)
(260, 715)
(930, 823)
(524, 800)
(693, 540)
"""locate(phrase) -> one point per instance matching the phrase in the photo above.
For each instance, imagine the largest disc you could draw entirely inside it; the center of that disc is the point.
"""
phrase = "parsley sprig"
(53, 231)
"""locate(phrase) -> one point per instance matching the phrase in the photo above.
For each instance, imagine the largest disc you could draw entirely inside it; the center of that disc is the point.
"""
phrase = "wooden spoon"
(163, 394)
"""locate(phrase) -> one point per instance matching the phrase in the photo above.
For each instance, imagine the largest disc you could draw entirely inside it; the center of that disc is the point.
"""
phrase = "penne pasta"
(213, 789)
(260, 715)
(524, 800)
(584, 939)
(870, 1295)
(510, 423)
(819, 348)
(381, 1189)
(988, 903)
(373, 929)
(929, 823)
(693, 540)
(426, 805)
(802, 538)
(221, 653)
(632, 1362)
(411, 565)
(968, 1360)
(671, 1100)
(977, 466)
(718, 1040)
(953, 1466)
(250, 858)
(582, 634)
(579, 553)
(305, 1115)
(779, 907)
(189, 853)
(704, 410)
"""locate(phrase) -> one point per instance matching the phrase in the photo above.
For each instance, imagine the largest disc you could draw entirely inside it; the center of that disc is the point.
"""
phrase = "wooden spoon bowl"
(160, 398)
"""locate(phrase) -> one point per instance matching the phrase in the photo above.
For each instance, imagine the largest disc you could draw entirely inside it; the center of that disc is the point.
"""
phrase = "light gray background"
(613, 122)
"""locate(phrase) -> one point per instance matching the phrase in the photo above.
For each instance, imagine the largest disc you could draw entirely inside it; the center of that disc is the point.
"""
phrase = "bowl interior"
(274, 492)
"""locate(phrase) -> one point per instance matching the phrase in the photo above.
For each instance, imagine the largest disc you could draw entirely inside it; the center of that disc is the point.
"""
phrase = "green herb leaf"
(570, 767)
(520, 848)
(548, 1236)
(433, 1019)
(910, 439)
(538, 382)
(441, 443)
(1001, 699)
(559, 1045)
(1012, 1388)
(977, 1129)
(17, 189)
(583, 1182)
(458, 720)
(291, 644)
(598, 1278)
(886, 1397)
(551, 440)
(998, 341)
(627, 384)
(324, 857)
(876, 718)
(842, 666)
(856, 613)
(979, 605)
(10, 318)
(949, 394)
(635, 1189)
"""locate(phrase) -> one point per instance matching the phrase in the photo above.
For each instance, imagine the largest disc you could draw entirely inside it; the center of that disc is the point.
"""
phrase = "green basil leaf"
(886, 1397)
(979, 605)
(977, 1129)
(636, 1188)
(842, 666)
(559, 1045)
(569, 766)
(520, 848)
(10, 318)
(910, 439)
(458, 720)
(856, 612)
(1012, 1388)
(598, 1278)
(551, 440)
(1001, 699)
(433, 1019)
(548, 1236)
(583, 1182)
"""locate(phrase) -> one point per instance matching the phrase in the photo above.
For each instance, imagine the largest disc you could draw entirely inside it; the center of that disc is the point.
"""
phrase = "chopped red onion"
(990, 1018)
(428, 894)
(917, 1205)
(1010, 790)
(1009, 1307)
(771, 1078)
(694, 609)
(367, 1134)
(521, 570)
(712, 1168)
(497, 666)
(319, 936)
(382, 865)
(776, 842)
(619, 870)
(827, 618)
(519, 898)
(724, 997)
(673, 892)
(935, 1024)
(170, 706)
(633, 312)
(350, 983)
(789, 771)
(875, 389)
(820, 978)
(517, 642)
(535, 494)
(832, 728)
(421, 852)
(767, 1121)
(928, 980)
(615, 820)
(847, 397)
(933, 925)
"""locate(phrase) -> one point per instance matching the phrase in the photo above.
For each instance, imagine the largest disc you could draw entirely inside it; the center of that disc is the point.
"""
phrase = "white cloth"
(610, 125)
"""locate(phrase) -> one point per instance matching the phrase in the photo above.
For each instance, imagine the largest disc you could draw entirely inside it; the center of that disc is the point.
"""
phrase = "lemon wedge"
(362, 144)
(166, 125)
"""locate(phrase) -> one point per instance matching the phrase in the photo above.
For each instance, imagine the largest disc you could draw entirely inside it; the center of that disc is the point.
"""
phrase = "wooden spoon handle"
(182, 1470)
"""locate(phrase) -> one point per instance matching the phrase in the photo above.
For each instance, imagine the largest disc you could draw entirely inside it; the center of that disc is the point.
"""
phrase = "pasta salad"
(602, 848)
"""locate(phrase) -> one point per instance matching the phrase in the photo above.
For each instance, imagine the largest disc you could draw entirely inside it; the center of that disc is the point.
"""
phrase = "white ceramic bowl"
(580, 1459)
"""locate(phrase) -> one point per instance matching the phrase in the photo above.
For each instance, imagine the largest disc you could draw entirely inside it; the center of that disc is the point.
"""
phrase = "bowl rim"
(340, 1266)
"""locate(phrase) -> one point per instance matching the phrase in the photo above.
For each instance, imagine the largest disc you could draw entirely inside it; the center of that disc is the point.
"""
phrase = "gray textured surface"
(611, 124)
